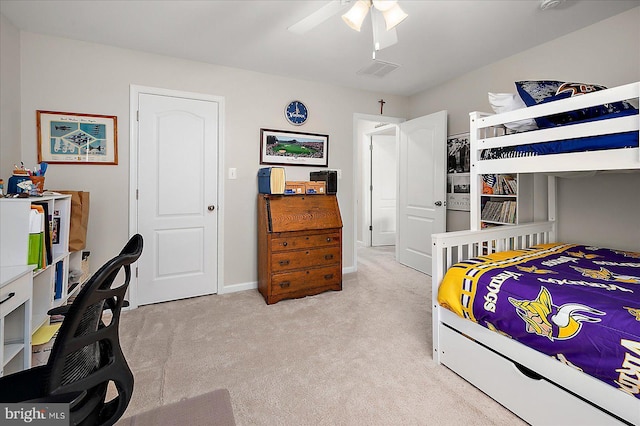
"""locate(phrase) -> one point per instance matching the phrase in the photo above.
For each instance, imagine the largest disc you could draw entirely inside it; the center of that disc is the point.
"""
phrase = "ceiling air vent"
(378, 68)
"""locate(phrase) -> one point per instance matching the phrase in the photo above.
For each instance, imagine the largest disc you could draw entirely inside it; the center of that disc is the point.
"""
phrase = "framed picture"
(458, 154)
(287, 148)
(73, 138)
(458, 191)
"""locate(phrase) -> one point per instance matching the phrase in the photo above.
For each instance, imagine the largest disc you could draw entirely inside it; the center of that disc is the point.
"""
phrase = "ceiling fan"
(385, 16)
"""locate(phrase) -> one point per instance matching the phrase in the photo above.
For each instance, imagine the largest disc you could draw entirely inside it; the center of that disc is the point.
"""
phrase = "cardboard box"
(317, 188)
(295, 187)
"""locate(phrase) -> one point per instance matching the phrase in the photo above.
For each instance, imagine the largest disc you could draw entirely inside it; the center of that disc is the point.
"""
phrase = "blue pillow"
(543, 91)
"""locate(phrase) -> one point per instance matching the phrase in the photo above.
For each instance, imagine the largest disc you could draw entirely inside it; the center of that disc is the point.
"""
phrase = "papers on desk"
(44, 334)
(36, 254)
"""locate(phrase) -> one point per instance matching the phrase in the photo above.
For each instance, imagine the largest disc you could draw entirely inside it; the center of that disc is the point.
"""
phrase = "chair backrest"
(86, 354)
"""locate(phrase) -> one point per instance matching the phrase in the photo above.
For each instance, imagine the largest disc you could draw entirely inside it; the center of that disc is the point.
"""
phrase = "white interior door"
(383, 190)
(177, 197)
(422, 185)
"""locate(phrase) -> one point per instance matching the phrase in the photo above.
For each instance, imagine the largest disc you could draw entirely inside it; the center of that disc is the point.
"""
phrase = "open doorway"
(364, 125)
(421, 183)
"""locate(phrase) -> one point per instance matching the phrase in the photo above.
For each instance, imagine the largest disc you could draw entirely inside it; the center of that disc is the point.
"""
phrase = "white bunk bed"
(534, 386)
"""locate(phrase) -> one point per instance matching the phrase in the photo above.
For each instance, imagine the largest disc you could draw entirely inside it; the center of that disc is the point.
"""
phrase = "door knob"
(438, 203)
(211, 208)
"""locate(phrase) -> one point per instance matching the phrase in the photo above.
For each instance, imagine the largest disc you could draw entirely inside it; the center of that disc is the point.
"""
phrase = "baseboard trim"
(349, 270)
(234, 288)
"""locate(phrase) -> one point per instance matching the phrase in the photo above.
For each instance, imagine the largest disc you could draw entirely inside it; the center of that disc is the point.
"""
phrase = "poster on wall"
(458, 191)
(75, 138)
(458, 154)
(458, 168)
(288, 148)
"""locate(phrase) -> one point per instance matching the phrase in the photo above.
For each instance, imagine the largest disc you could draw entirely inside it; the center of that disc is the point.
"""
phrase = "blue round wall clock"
(296, 113)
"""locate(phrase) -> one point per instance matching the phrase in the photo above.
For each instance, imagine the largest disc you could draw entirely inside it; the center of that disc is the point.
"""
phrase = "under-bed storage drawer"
(498, 377)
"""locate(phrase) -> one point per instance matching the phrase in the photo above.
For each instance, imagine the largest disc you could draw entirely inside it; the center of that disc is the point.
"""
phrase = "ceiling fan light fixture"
(393, 16)
(355, 16)
(384, 5)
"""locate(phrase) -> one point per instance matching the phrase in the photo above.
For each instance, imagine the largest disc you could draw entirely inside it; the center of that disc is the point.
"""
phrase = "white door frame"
(361, 166)
(134, 92)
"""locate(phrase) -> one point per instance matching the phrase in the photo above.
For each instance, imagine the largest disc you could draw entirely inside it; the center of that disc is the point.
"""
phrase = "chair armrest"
(28, 386)
(23, 385)
(71, 398)
(63, 309)
(60, 310)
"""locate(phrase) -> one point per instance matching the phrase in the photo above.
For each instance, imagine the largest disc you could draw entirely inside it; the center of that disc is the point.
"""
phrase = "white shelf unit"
(15, 318)
(510, 206)
(49, 284)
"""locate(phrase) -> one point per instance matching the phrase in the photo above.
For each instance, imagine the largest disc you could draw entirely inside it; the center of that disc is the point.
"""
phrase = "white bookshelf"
(509, 203)
(48, 286)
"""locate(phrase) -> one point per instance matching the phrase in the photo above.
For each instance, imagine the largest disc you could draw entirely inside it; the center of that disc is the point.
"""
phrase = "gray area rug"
(209, 409)
(361, 356)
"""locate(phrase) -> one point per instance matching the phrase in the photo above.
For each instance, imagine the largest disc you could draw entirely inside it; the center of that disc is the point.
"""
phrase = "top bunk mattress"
(578, 304)
(583, 144)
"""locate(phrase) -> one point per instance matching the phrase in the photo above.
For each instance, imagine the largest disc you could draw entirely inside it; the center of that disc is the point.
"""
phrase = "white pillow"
(505, 102)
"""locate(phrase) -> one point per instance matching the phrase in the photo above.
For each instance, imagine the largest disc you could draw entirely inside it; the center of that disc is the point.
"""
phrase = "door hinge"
(138, 115)
(371, 147)
(137, 194)
(371, 188)
(136, 272)
(370, 228)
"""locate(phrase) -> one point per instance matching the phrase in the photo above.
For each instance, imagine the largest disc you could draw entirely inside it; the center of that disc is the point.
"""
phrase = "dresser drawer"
(14, 294)
(305, 241)
(290, 282)
(289, 260)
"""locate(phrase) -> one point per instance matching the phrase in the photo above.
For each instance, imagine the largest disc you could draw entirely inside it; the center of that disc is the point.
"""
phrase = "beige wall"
(98, 82)
(606, 53)
(9, 98)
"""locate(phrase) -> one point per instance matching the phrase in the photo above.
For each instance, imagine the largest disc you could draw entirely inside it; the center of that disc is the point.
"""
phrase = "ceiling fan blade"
(319, 16)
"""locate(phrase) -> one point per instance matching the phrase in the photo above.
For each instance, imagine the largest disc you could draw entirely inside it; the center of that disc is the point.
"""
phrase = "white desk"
(16, 288)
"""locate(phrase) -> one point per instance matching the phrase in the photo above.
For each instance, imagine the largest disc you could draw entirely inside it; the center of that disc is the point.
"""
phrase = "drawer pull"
(285, 284)
(328, 276)
(328, 256)
(328, 239)
(285, 244)
(284, 262)
(9, 296)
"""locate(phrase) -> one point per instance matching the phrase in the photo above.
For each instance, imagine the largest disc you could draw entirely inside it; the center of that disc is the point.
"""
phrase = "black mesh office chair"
(86, 354)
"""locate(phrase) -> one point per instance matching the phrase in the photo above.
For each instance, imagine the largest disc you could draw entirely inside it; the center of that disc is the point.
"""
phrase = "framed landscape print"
(283, 147)
(74, 138)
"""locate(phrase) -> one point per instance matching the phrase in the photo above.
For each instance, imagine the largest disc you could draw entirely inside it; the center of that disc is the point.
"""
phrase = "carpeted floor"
(361, 356)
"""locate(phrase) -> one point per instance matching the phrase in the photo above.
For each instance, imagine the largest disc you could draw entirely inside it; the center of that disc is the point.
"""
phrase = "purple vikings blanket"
(578, 304)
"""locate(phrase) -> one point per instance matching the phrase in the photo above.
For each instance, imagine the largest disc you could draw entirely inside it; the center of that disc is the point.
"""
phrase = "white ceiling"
(438, 41)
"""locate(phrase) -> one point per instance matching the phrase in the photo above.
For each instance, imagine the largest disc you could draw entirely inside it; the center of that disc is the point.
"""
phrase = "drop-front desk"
(299, 246)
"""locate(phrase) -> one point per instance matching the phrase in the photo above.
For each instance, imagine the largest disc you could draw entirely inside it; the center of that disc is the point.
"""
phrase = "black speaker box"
(330, 177)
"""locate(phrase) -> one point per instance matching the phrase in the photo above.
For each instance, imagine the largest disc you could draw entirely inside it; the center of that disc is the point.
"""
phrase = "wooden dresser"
(299, 246)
